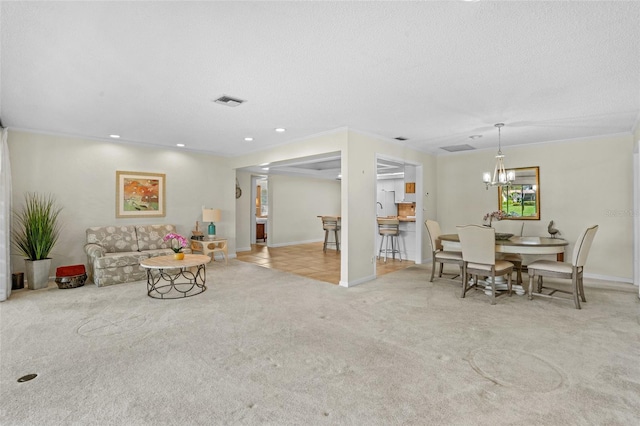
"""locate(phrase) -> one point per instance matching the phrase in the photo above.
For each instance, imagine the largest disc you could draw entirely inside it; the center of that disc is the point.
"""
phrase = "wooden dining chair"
(438, 255)
(572, 271)
(479, 256)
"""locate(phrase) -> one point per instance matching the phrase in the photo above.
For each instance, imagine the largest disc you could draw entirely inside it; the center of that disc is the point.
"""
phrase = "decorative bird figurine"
(552, 231)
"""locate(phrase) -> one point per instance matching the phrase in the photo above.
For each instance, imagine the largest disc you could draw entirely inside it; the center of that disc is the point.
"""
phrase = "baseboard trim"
(610, 278)
(293, 243)
(356, 282)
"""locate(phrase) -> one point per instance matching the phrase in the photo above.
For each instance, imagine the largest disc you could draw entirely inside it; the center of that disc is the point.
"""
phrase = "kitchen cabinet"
(260, 232)
(398, 187)
(261, 228)
(386, 204)
(407, 240)
(410, 198)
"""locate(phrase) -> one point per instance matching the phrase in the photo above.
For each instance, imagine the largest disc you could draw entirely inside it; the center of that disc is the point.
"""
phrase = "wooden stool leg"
(326, 237)
(386, 249)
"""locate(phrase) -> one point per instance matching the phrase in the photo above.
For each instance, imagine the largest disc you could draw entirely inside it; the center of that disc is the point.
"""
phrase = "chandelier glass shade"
(500, 176)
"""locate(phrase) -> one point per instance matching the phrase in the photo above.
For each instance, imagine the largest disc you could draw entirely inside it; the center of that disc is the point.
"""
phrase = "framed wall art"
(140, 194)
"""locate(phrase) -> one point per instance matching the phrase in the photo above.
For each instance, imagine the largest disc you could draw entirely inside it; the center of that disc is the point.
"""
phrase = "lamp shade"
(211, 215)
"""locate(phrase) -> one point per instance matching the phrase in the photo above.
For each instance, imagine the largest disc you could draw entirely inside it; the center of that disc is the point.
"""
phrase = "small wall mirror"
(521, 199)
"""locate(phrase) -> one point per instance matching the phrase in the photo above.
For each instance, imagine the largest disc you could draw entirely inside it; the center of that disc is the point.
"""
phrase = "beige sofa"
(114, 252)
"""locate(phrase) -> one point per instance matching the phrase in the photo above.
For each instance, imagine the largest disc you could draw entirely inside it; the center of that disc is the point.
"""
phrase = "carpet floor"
(261, 346)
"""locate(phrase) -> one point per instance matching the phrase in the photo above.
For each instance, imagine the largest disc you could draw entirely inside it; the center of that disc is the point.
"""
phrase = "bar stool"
(389, 229)
(331, 224)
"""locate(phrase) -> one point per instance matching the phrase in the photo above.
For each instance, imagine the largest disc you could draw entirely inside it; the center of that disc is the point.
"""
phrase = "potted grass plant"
(35, 233)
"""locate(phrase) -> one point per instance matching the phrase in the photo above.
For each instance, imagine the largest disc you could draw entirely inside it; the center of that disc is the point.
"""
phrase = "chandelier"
(500, 176)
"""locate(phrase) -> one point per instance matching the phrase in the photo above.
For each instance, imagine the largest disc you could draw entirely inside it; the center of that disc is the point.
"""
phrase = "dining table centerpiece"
(181, 243)
(497, 215)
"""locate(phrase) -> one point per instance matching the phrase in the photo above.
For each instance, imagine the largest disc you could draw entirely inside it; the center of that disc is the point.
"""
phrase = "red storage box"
(71, 276)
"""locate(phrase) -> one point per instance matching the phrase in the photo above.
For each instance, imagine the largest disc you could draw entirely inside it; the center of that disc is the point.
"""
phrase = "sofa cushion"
(112, 260)
(114, 239)
(150, 236)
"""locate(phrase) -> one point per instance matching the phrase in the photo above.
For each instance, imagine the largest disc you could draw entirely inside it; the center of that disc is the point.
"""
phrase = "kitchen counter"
(400, 218)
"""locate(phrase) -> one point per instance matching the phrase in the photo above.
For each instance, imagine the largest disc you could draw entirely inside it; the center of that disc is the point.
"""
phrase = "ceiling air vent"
(229, 101)
(457, 148)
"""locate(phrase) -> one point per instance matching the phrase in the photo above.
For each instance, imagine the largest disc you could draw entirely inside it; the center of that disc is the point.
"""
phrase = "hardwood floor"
(309, 260)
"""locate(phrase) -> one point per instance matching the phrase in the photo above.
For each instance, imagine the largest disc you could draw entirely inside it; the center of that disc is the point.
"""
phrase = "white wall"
(245, 207)
(582, 183)
(294, 206)
(358, 190)
(81, 175)
(636, 211)
(361, 180)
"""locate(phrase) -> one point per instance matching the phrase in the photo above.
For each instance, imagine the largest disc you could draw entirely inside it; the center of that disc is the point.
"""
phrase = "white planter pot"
(37, 273)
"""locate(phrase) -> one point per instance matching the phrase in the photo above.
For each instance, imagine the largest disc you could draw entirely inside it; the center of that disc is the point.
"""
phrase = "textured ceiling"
(432, 72)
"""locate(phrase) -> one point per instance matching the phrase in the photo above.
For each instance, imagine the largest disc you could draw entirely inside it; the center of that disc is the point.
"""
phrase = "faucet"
(380, 204)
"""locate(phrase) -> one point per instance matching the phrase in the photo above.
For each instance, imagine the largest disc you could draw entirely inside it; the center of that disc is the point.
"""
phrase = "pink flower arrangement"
(182, 241)
(497, 215)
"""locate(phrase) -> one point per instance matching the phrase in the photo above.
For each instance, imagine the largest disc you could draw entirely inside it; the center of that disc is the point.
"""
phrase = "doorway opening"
(259, 210)
(398, 184)
(262, 210)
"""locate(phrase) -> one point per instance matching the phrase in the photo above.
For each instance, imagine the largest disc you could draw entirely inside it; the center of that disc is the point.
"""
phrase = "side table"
(211, 246)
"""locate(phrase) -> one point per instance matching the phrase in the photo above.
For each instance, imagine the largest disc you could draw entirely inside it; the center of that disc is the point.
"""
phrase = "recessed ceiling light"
(264, 164)
(281, 129)
(114, 136)
(180, 145)
(265, 168)
(248, 139)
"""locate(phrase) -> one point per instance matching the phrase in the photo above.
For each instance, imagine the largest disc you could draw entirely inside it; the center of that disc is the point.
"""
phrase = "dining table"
(515, 244)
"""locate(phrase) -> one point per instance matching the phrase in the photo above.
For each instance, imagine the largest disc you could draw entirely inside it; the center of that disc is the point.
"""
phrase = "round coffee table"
(168, 278)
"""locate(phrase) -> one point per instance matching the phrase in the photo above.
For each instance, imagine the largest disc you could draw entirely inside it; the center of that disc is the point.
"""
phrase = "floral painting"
(140, 194)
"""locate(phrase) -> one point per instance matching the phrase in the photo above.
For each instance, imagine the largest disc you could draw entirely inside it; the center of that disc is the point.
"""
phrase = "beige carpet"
(266, 347)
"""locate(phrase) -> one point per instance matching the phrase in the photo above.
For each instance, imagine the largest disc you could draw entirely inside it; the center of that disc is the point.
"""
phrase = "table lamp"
(211, 216)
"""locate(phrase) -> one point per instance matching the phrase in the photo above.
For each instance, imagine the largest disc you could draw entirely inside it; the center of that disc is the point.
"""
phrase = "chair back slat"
(583, 244)
(434, 231)
(330, 223)
(478, 244)
(389, 226)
